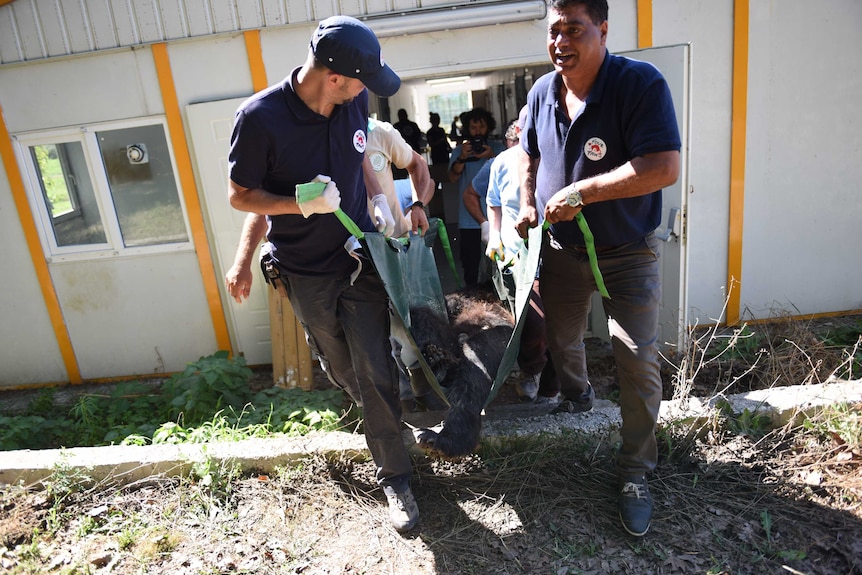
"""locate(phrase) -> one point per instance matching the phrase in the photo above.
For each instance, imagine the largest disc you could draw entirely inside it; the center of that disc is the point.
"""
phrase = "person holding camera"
(466, 160)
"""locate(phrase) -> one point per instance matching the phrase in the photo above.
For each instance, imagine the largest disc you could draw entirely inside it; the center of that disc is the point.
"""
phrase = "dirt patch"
(784, 503)
(727, 502)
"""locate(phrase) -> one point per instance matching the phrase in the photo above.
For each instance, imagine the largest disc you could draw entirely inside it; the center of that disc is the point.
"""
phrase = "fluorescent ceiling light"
(456, 16)
(452, 80)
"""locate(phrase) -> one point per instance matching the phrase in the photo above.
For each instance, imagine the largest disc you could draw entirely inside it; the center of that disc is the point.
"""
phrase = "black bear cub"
(464, 355)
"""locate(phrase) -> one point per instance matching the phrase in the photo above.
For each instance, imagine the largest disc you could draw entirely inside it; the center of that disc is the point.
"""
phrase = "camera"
(478, 143)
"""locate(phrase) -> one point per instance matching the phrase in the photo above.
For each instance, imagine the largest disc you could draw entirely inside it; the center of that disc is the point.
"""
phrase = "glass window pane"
(449, 106)
(68, 193)
(143, 186)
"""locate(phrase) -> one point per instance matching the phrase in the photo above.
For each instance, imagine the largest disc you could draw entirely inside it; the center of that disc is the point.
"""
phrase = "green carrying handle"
(591, 252)
(311, 190)
(447, 249)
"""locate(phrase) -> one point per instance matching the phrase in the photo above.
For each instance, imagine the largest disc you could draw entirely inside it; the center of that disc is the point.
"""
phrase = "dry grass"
(728, 500)
(786, 502)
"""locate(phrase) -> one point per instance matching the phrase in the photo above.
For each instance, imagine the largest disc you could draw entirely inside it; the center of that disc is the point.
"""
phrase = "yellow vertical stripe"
(190, 193)
(31, 235)
(255, 60)
(739, 111)
(644, 23)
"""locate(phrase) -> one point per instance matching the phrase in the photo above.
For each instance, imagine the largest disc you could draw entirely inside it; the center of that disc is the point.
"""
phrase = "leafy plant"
(209, 401)
(22, 431)
(842, 421)
(207, 386)
(748, 423)
(65, 481)
(742, 343)
(787, 555)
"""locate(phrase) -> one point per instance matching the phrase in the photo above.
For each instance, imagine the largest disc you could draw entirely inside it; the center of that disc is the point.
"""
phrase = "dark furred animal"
(464, 355)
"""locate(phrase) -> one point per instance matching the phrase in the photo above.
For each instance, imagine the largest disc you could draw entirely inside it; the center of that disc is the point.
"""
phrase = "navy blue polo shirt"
(279, 142)
(628, 113)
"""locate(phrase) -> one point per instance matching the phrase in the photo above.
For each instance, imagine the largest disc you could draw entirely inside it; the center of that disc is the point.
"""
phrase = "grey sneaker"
(528, 387)
(582, 404)
(403, 511)
(635, 505)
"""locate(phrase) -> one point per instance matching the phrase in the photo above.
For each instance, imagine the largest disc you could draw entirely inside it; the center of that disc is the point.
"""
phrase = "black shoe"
(635, 505)
(582, 404)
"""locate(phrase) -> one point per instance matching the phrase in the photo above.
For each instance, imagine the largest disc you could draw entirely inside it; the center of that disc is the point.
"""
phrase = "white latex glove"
(383, 220)
(327, 202)
(495, 251)
(485, 228)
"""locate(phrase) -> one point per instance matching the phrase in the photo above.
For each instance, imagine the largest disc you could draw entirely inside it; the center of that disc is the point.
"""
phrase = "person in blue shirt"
(312, 127)
(601, 139)
(466, 160)
(498, 182)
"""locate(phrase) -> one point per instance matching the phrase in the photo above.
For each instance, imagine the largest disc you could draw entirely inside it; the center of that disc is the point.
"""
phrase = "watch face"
(573, 198)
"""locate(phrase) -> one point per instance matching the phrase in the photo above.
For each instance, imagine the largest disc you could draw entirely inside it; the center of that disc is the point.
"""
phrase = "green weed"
(770, 550)
(209, 401)
(748, 423)
(842, 421)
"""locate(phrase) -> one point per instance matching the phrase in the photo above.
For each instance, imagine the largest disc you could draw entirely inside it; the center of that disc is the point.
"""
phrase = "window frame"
(86, 135)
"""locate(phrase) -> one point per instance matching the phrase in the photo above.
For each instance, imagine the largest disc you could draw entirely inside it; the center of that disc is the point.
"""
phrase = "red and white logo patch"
(595, 149)
(359, 141)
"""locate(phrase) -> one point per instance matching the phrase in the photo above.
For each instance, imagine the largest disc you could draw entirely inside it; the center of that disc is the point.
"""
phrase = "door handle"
(674, 221)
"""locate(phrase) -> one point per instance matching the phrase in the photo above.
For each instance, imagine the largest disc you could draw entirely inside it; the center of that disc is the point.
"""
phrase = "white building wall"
(803, 199)
(708, 26)
(803, 139)
(135, 316)
(92, 88)
(28, 348)
(125, 315)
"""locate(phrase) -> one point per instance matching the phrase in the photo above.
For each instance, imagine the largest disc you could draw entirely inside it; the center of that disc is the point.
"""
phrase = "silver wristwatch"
(574, 199)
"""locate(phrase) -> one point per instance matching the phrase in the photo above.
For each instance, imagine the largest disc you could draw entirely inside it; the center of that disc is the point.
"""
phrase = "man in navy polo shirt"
(601, 138)
(313, 127)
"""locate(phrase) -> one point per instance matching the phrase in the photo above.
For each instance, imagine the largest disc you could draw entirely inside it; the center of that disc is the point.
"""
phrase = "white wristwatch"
(574, 199)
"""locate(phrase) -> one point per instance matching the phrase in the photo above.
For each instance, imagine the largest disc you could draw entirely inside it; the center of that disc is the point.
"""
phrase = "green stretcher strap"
(447, 249)
(408, 272)
(518, 286)
(311, 190)
(589, 241)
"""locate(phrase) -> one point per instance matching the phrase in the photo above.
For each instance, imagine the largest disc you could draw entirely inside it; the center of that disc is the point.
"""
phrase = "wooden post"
(291, 357)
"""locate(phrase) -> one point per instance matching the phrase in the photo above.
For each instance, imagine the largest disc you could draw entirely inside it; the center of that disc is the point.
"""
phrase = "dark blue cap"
(347, 46)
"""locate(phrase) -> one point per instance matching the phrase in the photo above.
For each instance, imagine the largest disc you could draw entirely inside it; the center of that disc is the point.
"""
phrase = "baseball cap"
(348, 47)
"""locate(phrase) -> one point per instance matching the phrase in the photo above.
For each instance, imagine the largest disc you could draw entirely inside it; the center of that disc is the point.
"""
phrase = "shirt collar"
(598, 89)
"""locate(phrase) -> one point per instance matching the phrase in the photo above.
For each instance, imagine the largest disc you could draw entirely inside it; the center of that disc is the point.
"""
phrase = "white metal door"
(210, 126)
(674, 64)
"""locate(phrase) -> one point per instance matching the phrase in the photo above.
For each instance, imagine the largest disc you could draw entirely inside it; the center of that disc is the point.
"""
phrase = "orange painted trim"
(190, 193)
(34, 243)
(4, 2)
(255, 60)
(739, 114)
(644, 24)
(805, 317)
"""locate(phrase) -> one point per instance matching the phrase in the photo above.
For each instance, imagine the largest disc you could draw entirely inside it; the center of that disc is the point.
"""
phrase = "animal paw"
(425, 438)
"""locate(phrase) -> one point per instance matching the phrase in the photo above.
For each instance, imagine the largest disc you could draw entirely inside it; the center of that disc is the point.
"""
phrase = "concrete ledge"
(126, 464)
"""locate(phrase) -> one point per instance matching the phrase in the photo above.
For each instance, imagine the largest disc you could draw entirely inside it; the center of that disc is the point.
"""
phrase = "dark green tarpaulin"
(410, 275)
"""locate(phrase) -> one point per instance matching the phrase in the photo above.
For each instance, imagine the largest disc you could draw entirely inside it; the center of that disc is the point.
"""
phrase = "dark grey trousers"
(631, 274)
(347, 327)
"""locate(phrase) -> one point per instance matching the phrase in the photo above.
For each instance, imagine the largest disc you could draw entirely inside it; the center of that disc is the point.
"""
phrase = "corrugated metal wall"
(38, 29)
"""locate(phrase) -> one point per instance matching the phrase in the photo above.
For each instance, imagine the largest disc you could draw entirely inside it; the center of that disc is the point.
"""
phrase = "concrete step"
(126, 464)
